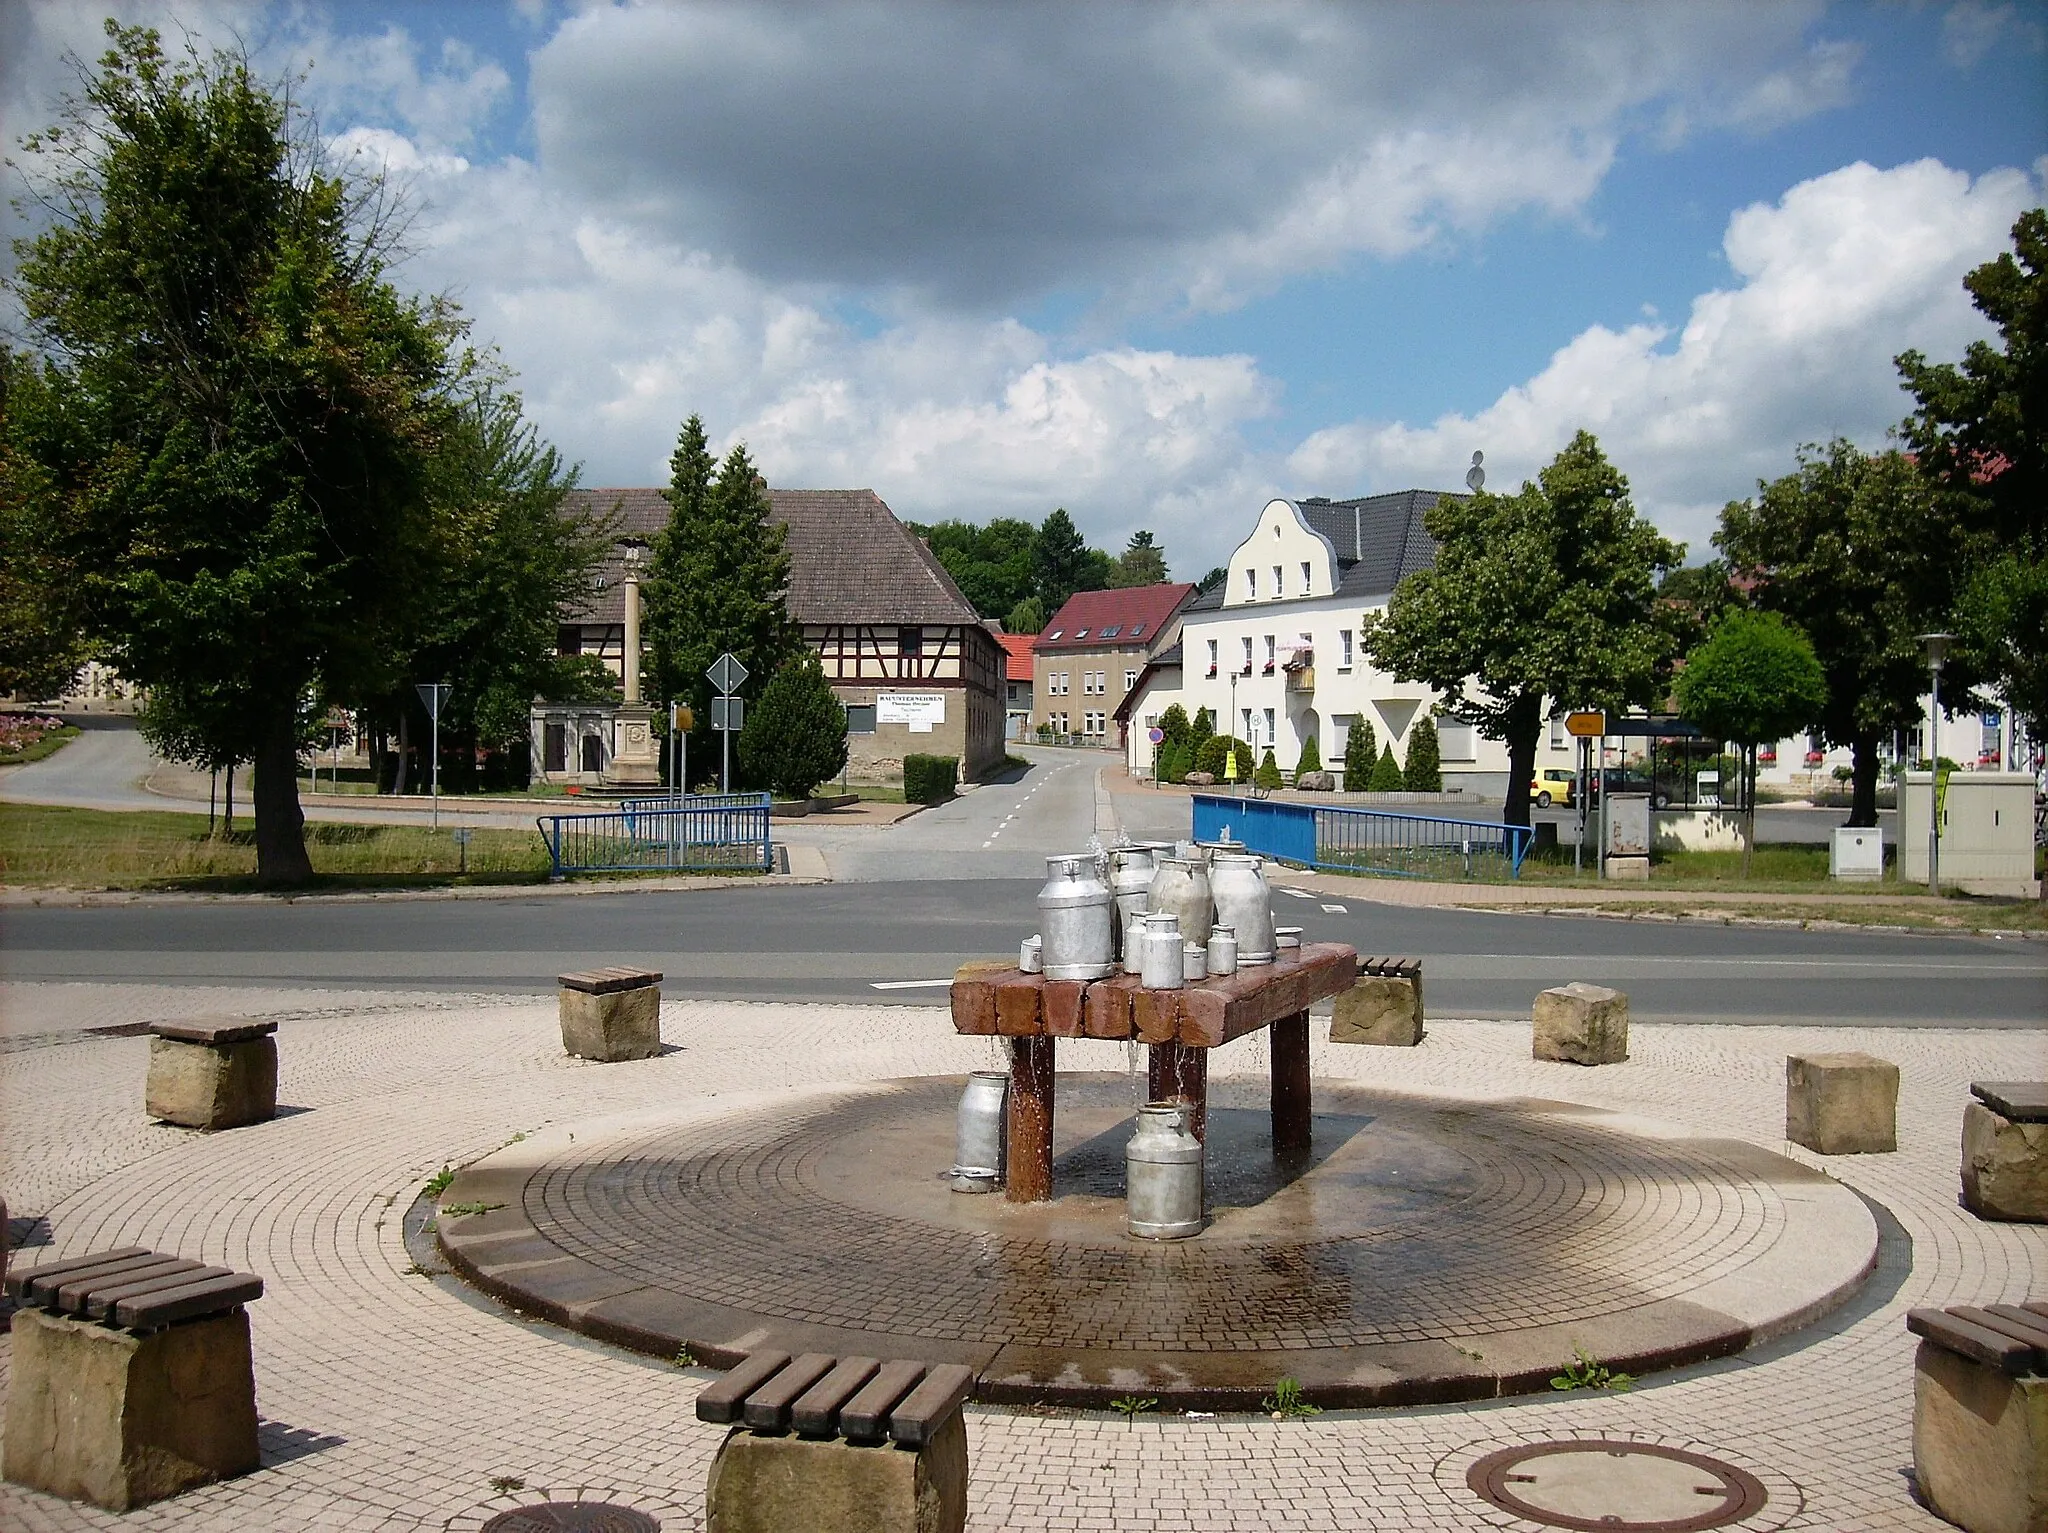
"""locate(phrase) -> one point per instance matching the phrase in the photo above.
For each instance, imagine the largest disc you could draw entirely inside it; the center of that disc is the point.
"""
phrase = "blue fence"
(716, 832)
(1375, 841)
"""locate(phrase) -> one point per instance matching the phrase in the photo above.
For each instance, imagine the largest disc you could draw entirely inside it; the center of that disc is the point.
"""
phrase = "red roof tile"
(1132, 616)
(1017, 650)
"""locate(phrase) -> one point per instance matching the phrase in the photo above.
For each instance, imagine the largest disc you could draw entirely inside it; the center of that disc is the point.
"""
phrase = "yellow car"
(1554, 785)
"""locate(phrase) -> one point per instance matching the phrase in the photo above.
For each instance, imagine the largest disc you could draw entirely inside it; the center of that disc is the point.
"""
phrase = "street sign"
(432, 695)
(727, 674)
(1156, 736)
(682, 716)
(1587, 726)
(729, 713)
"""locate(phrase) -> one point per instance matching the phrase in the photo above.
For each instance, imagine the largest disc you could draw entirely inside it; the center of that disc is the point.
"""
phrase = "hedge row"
(929, 779)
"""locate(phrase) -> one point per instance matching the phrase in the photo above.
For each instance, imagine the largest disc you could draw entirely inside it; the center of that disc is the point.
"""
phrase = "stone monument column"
(634, 763)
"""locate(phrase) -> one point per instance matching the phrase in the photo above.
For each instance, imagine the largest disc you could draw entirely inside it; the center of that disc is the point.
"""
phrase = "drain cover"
(572, 1517)
(1616, 1487)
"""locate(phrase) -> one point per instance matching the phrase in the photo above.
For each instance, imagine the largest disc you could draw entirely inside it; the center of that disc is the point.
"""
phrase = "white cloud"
(1834, 279)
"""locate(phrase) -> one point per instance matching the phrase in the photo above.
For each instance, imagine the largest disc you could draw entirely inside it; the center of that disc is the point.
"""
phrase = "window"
(1094, 723)
(1251, 585)
(1247, 656)
(1111, 631)
(1059, 723)
(1454, 739)
(1277, 589)
(860, 718)
(1306, 583)
(1080, 633)
(554, 748)
(1212, 657)
(1130, 681)
(910, 641)
(1137, 630)
(1245, 730)
(1066, 682)
(568, 641)
(1053, 635)
(1091, 683)
(1269, 654)
(1270, 736)
(1343, 649)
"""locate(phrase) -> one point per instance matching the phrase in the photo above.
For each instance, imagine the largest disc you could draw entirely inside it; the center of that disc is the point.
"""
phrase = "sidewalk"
(392, 1397)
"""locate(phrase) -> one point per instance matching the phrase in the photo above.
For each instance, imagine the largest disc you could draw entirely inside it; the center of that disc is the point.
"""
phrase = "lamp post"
(1937, 651)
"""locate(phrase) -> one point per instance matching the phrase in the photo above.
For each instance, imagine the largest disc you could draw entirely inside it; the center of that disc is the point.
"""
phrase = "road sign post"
(728, 713)
(433, 694)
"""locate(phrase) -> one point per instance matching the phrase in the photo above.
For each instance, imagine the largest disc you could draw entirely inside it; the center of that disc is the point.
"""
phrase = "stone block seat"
(2005, 1150)
(212, 1072)
(1980, 1415)
(838, 1445)
(131, 1377)
(1581, 1024)
(1842, 1104)
(1383, 1005)
(611, 1014)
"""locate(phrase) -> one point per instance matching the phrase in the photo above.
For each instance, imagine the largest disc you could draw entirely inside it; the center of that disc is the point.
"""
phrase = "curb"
(102, 898)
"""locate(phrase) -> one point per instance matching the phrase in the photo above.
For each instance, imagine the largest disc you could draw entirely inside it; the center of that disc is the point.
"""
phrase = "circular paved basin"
(1429, 1248)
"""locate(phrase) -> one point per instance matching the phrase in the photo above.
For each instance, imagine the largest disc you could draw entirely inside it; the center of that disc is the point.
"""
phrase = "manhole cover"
(572, 1517)
(1616, 1487)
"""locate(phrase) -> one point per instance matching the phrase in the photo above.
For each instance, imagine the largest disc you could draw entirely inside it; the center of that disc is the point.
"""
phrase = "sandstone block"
(770, 1484)
(120, 1419)
(1980, 1443)
(621, 1024)
(1582, 1024)
(1381, 1010)
(2005, 1166)
(1316, 782)
(1634, 870)
(212, 1085)
(1842, 1104)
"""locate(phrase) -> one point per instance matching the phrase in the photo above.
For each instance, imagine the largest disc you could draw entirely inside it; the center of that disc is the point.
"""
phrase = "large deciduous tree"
(238, 414)
(1980, 436)
(41, 647)
(1546, 594)
(1854, 550)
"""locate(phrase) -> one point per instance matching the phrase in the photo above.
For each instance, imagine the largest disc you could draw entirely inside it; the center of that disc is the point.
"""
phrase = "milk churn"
(1194, 962)
(1243, 903)
(1159, 962)
(1163, 1174)
(1180, 888)
(1130, 882)
(978, 1140)
(1222, 951)
(1031, 954)
(1074, 920)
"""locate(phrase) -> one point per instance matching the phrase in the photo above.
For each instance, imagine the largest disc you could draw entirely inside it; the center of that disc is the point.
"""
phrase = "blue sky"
(1159, 262)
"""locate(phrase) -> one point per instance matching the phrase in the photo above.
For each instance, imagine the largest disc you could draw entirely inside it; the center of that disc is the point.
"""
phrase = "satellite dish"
(1475, 476)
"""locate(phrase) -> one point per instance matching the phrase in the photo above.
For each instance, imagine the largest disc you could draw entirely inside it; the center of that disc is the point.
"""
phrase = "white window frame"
(1247, 654)
(1251, 585)
(1279, 585)
(1212, 657)
(1344, 649)
(1307, 580)
(1130, 681)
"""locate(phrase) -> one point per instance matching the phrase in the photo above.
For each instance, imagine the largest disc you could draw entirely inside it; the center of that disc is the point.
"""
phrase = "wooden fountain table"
(1033, 1012)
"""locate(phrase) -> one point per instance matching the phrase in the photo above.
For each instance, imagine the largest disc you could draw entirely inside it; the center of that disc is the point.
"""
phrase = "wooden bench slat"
(42, 1290)
(865, 1418)
(19, 1279)
(1966, 1339)
(924, 1410)
(719, 1403)
(212, 1296)
(767, 1408)
(226, 1031)
(605, 981)
(816, 1411)
(2016, 1101)
(100, 1303)
(2035, 1315)
(2035, 1307)
(2030, 1329)
(71, 1296)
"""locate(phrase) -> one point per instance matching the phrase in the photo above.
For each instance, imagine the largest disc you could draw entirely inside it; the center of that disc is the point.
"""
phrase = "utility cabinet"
(1987, 832)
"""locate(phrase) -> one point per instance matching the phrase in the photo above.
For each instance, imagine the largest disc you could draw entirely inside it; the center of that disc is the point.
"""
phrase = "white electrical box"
(1858, 852)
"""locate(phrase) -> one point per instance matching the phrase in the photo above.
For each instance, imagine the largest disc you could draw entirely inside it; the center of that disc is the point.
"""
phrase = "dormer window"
(1080, 633)
(1137, 630)
(1053, 635)
(1111, 631)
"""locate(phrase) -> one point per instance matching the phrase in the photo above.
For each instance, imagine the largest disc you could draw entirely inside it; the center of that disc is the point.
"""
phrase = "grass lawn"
(89, 848)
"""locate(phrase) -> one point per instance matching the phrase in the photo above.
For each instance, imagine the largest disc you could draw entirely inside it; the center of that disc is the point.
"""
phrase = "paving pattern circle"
(1431, 1248)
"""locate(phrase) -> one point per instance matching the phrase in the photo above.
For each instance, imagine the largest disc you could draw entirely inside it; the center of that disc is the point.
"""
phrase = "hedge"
(929, 779)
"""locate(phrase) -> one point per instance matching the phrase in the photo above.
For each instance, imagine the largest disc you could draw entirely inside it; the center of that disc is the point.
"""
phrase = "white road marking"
(1337, 910)
(907, 984)
(1300, 894)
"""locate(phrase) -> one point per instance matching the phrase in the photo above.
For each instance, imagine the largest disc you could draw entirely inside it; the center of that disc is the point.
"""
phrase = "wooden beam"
(1031, 1111)
(1218, 1010)
(1019, 1012)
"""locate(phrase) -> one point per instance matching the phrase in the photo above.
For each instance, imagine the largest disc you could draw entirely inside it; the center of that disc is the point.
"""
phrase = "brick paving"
(393, 1399)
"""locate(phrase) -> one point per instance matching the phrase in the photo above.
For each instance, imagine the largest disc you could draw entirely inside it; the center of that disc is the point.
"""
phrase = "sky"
(1157, 263)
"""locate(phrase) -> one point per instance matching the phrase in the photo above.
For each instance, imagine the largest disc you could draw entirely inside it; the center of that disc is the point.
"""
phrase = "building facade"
(1017, 684)
(1091, 654)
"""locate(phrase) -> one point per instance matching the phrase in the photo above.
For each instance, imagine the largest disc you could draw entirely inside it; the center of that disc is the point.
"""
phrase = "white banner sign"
(920, 710)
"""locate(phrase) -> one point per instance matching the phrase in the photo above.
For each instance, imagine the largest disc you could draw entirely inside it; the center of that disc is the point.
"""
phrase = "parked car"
(1554, 785)
(1630, 780)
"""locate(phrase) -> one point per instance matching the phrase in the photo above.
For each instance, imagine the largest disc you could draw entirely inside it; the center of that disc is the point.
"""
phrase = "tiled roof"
(850, 560)
(1017, 655)
(1378, 538)
(1132, 616)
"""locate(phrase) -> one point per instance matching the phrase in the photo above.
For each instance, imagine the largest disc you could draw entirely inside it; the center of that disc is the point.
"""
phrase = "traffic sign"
(1587, 726)
(1156, 736)
(727, 674)
(729, 713)
(682, 716)
(432, 695)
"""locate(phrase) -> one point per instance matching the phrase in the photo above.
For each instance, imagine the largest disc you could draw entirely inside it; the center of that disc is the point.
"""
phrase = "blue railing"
(1374, 841)
(729, 833)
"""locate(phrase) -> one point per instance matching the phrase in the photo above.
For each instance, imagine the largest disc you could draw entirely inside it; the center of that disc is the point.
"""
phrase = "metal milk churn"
(1163, 1174)
(1222, 951)
(1160, 966)
(1180, 888)
(1243, 903)
(1074, 920)
(1130, 882)
(979, 1139)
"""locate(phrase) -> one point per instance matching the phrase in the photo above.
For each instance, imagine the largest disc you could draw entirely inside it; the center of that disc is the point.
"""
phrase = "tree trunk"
(227, 814)
(1863, 794)
(1524, 724)
(212, 799)
(398, 778)
(280, 825)
(1749, 804)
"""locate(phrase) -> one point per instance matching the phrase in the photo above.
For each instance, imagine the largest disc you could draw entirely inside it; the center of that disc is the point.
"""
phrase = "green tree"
(1173, 724)
(1854, 551)
(1424, 770)
(1028, 616)
(1755, 678)
(1311, 758)
(41, 648)
(1215, 752)
(1361, 752)
(721, 577)
(1212, 580)
(1268, 774)
(237, 418)
(991, 564)
(1546, 594)
(1142, 563)
(795, 737)
(1200, 728)
(1386, 774)
(1690, 600)
(1063, 563)
(1980, 436)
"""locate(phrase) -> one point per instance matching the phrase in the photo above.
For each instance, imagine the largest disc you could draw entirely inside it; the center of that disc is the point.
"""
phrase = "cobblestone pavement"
(393, 1399)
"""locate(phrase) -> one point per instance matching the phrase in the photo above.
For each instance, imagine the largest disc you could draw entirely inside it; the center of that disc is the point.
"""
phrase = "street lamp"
(1937, 651)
